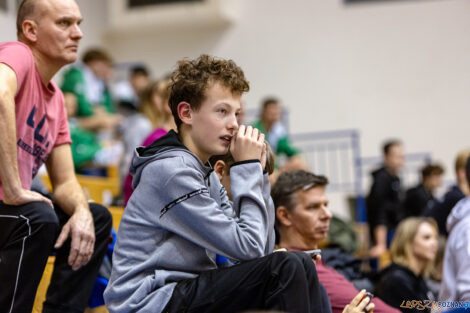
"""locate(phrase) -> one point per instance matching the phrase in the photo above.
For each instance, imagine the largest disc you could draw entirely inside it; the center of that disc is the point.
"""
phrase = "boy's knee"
(101, 216)
(288, 261)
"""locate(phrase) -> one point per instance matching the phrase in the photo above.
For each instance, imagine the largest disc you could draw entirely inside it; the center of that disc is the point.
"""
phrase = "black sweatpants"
(284, 281)
(27, 236)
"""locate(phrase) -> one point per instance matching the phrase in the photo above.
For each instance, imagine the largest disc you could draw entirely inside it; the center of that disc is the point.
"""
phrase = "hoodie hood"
(458, 213)
(168, 145)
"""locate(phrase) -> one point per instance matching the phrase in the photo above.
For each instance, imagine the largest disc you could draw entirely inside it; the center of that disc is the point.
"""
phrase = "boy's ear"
(185, 113)
(219, 168)
(283, 216)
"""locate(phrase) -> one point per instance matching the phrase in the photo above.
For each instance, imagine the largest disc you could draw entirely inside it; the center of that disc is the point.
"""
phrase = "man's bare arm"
(66, 190)
(70, 197)
(380, 236)
(13, 192)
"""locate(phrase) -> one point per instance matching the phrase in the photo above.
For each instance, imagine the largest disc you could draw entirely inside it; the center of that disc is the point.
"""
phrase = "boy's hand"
(263, 157)
(247, 144)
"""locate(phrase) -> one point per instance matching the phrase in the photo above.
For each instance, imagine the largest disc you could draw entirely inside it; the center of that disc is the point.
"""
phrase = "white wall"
(8, 22)
(389, 69)
(392, 69)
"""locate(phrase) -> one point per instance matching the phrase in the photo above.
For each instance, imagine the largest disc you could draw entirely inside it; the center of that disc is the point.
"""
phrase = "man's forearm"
(380, 235)
(90, 123)
(9, 174)
(70, 197)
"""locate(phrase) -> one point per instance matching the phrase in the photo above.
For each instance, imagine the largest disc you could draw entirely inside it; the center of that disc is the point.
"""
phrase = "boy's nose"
(233, 123)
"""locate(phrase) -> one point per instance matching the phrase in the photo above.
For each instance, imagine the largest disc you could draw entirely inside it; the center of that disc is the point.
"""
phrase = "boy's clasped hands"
(248, 144)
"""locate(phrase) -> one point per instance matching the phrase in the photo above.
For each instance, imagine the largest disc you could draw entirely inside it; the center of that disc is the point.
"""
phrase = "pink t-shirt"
(41, 119)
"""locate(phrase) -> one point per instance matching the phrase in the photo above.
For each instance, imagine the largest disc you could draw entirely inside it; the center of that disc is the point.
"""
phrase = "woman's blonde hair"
(157, 116)
(401, 247)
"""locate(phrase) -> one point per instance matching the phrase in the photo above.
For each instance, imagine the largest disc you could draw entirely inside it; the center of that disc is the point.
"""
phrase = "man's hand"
(81, 229)
(23, 197)
(359, 304)
(247, 144)
(377, 250)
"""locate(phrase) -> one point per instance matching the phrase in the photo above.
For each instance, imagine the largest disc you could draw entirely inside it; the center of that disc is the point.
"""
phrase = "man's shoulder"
(15, 49)
(15, 45)
(16, 55)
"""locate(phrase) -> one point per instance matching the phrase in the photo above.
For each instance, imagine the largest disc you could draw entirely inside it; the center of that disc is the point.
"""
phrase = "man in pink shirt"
(303, 219)
(34, 126)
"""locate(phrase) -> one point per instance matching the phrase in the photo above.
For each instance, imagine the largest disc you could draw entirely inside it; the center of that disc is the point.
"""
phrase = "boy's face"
(215, 123)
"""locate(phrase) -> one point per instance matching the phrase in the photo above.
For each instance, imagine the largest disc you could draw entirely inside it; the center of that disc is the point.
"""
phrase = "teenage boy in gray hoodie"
(455, 284)
(178, 220)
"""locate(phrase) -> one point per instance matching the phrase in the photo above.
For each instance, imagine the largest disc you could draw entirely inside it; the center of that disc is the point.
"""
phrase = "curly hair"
(191, 79)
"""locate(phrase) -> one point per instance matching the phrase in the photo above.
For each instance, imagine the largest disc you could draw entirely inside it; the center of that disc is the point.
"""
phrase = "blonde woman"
(154, 106)
(413, 251)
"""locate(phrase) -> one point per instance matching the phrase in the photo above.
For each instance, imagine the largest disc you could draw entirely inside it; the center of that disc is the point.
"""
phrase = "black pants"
(284, 281)
(27, 236)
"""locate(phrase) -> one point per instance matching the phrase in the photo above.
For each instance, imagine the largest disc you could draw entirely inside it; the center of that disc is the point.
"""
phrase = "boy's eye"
(223, 111)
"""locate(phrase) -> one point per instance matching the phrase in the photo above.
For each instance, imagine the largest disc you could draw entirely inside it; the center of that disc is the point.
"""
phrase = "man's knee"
(39, 212)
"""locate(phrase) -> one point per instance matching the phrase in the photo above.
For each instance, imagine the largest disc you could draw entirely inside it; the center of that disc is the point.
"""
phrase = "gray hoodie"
(178, 219)
(456, 272)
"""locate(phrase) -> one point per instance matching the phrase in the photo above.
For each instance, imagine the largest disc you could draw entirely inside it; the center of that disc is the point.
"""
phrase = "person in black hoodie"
(384, 208)
(420, 199)
(413, 251)
(454, 194)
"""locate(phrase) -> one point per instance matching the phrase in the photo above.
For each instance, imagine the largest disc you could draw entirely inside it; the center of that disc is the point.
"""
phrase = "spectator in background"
(276, 134)
(149, 116)
(303, 219)
(435, 277)
(420, 200)
(413, 251)
(87, 151)
(384, 208)
(139, 80)
(454, 194)
(88, 83)
(128, 92)
(456, 272)
(154, 106)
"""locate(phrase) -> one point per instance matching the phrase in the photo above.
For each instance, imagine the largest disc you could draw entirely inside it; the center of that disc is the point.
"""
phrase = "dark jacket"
(419, 201)
(441, 212)
(399, 284)
(384, 200)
